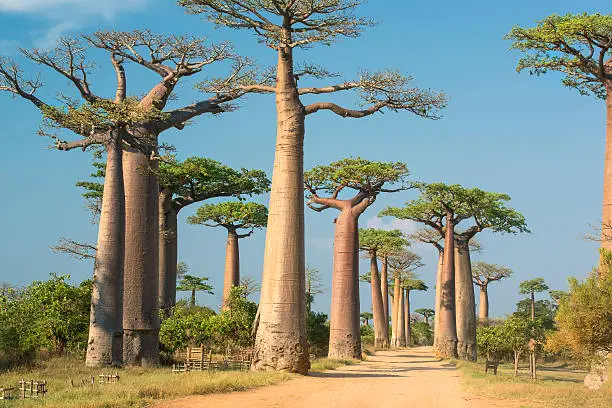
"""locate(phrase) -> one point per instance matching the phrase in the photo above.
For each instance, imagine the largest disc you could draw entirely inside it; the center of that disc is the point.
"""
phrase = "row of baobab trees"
(129, 127)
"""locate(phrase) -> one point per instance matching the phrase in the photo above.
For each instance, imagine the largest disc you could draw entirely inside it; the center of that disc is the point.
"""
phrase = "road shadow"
(336, 374)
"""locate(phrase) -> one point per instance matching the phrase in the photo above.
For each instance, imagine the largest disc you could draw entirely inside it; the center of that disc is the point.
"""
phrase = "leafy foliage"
(577, 45)
(232, 215)
(483, 273)
(50, 315)
(532, 286)
(421, 334)
(193, 284)
(317, 332)
(426, 313)
(374, 240)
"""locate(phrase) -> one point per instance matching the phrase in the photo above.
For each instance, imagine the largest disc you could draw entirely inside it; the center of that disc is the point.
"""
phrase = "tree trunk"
(401, 320)
(516, 362)
(407, 318)
(192, 302)
(381, 336)
(280, 342)
(532, 306)
(446, 346)
(232, 266)
(397, 293)
(168, 251)
(465, 305)
(606, 219)
(483, 307)
(344, 332)
(140, 301)
(384, 289)
(438, 297)
(105, 322)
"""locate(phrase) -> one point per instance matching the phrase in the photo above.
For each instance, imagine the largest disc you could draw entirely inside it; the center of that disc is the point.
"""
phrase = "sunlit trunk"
(446, 346)
(280, 342)
(232, 266)
(344, 332)
(407, 318)
(396, 333)
(465, 304)
(105, 324)
(168, 251)
(384, 289)
(483, 307)
(606, 218)
(381, 336)
(438, 297)
(401, 320)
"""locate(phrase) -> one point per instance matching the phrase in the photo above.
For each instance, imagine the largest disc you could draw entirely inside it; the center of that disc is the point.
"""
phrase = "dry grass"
(322, 364)
(137, 387)
(558, 386)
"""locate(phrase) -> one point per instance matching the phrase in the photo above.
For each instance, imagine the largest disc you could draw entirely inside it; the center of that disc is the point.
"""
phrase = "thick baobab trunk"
(397, 294)
(381, 336)
(407, 318)
(606, 218)
(344, 332)
(168, 251)
(401, 320)
(232, 266)
(483, 307)
(140, 300)
(446, 346)
(105, 323)
(384, 289)
(280, 343)
(438, 297)
(465, 304)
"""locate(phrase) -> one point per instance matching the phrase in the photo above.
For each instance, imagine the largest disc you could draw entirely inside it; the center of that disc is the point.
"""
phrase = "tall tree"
(127, 127)
(401, 265)
(193, 284)
(371, 241)
(443, 207)
(233, 216)
(367, 179)
(313, 285)
(426, 313)
(580, 47)
(482, 274)
(284, 25)
(184, 183)
(409, 285)
(531, 287)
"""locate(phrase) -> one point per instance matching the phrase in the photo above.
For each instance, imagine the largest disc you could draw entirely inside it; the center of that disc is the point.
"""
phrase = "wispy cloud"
(406, 226)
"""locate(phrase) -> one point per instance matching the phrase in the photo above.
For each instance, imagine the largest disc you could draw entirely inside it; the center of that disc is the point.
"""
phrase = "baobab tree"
(482, 274)
(233, 216)
(191, 181)
(193, 284)
(557, 296)
(401, 264)
(313, 285)
(371, 241)
(531, 287)
(367, 179)
(426, 313)
(128, 127)
(284, 26)
(441, 208)
(409, 285)
(366, 317)
(580, 47)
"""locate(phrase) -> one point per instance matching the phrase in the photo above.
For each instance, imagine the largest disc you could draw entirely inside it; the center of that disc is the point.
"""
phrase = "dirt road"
(402, 378)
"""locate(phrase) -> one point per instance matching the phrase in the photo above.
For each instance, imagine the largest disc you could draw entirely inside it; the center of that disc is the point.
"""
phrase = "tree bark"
(465, 304)
(384, 289)
(438, 297)
(606, 218)
(168, 251)
(232, 266)
(140, 301)
(446, 346)
(407, 318)
(396, 333)
(105, 322)
(483, 307)
(532, 306)
(401, 320)
(280, 342)
(381, 336)
(516, 363)
(344, 332)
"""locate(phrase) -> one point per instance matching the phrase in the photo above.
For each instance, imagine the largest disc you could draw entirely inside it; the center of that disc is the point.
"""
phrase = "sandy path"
(401, 378)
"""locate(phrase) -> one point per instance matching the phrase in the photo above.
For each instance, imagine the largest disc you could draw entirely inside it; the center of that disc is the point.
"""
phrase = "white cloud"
(406, 226)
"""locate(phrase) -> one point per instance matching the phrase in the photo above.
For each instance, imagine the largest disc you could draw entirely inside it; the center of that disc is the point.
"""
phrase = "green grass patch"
(137, 387)
(323, 364)
(558, 386)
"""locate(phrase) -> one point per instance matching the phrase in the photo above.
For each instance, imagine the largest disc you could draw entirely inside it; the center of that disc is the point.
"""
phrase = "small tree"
(426, 313)
(233, 216)
(366, 317)
(515, 334)
(367, 180)
(314, 286)
(490, 341)
(557, 295)
(483, 274)
(409, 285)
(249, 285)
(531, 287)
(193, 284)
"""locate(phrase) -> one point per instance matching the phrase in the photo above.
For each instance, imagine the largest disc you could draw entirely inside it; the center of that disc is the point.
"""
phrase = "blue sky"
(502, 131)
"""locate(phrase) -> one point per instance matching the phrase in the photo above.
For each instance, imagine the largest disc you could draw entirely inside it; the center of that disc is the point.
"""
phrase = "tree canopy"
(577, 45)
(373, 240)
(232, 215)
(483, 273)
(414, 284)
(532, 286)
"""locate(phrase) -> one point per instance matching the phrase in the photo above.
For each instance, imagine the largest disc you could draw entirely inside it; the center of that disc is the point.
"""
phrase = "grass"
(137, 387)
(323, 364)
(557, 386)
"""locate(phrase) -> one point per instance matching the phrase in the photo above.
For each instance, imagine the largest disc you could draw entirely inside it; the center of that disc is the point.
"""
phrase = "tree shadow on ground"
(376, 373)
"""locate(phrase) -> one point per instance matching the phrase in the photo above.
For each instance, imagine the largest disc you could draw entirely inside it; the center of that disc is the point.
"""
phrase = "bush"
(367, 335)
(421, 334)
(317, 331)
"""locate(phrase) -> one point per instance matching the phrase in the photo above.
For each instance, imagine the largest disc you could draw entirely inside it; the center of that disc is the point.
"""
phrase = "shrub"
(421, 334)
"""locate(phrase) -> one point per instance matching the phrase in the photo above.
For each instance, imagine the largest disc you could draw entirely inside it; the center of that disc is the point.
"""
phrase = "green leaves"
(577, 45)
(483, 273)
(199, 284)
(374, 240)
(232, 215)
(532, 286)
